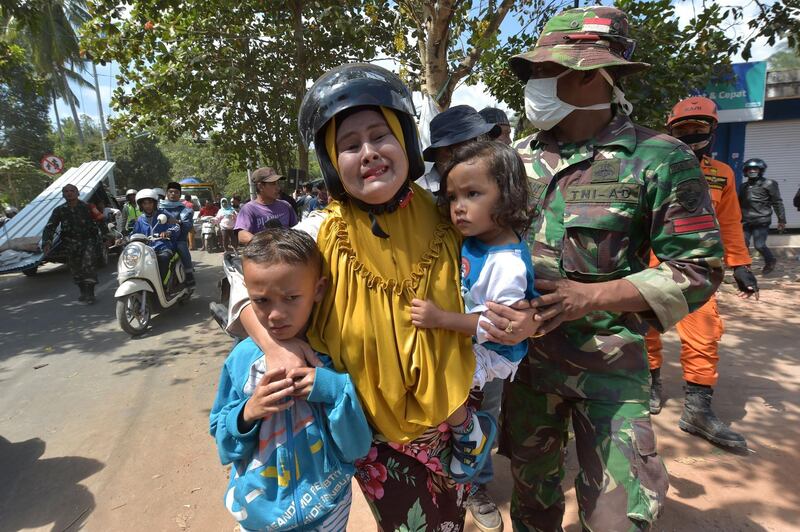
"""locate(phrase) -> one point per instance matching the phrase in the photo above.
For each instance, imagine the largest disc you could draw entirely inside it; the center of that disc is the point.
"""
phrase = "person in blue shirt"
(148, 224)
(184, 216)
(292, 432)
(484, 189)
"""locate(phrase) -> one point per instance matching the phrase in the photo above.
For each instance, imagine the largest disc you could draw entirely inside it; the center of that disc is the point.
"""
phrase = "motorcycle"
(210, 233)
(232, 267)
(141, 286)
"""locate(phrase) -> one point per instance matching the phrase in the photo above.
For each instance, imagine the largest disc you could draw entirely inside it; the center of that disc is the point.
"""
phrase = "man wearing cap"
(255, 214)
(450, 129)
(605, 191)
(493, 115)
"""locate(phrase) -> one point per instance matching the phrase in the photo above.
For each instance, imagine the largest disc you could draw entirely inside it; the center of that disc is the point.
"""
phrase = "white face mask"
(545, 109)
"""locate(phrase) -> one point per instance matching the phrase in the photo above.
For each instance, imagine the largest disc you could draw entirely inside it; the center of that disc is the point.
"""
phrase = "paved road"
(102, 432)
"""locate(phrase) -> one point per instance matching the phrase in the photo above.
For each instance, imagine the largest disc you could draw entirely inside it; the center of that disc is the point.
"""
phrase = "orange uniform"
(701, 331)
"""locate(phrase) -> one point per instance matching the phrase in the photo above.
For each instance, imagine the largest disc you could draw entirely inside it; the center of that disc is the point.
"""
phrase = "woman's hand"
(510, 325)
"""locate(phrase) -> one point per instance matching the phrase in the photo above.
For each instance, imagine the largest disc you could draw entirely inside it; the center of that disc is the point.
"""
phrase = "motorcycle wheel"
(207, 243)
(130, 316)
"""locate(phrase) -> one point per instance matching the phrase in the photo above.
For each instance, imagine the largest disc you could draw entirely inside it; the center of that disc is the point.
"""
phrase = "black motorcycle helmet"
(356, 85)
(755, 163)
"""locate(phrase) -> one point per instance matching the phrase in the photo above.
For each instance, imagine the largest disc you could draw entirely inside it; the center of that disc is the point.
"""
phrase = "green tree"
(24, 121)
(20, 180)
(442, 43)
(201, 159)
(68, 146)
(681, 58)
(784, 59)
(140, 163)
(47, 29)
(233, 75)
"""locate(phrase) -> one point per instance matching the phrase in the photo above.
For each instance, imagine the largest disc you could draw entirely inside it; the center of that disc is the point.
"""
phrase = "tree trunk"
(433, 50)
(300, 57)
(71, 101)
(58, 118)
(440, 82)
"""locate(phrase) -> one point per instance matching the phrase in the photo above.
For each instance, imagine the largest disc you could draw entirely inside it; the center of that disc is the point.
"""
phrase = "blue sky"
(476, 95)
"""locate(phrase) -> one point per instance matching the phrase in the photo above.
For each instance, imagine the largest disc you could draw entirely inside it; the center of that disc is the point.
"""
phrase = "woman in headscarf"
(384, 243)
(226, 217)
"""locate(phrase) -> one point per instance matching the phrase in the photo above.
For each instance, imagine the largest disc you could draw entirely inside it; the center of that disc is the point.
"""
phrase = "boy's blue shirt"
(148, 226)
(276, 470)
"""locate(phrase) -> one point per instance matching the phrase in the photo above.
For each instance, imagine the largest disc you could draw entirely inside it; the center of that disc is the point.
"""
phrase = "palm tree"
(47, 29)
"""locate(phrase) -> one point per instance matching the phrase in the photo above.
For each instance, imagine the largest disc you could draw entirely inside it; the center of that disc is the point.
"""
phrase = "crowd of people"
(399, 321)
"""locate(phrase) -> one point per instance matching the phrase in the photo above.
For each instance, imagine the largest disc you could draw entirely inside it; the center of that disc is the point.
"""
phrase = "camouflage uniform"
(599, 207)
(80, 238)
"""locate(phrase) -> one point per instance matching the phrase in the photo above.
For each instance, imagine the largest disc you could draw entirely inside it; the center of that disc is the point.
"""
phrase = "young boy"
(292, 432)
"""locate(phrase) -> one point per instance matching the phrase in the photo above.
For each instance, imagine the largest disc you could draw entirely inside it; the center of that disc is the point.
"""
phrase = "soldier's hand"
(509, 325)
(781, 227)
(46, 249)
(562, 300)
(746, 281)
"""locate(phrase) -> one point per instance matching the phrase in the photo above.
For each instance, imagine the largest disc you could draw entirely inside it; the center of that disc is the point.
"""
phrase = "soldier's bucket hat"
(454, 125)
(585, 38)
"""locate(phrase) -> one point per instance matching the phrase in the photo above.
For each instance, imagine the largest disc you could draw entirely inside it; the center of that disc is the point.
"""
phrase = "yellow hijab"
(408, 379)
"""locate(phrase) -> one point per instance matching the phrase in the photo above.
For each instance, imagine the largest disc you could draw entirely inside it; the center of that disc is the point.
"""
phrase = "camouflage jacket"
(77, 225)
(598, 209)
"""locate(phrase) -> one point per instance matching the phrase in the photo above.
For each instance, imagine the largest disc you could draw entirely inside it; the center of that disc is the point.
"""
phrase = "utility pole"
(112, 184)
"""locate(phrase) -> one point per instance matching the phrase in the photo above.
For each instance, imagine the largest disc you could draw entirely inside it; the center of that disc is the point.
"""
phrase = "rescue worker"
(605, 190)
(80, 239)
(130, 211)
(694, 121)
(758, 197)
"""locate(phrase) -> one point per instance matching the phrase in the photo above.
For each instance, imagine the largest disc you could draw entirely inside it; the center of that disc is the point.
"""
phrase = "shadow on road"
(46, 320)
(36, 491)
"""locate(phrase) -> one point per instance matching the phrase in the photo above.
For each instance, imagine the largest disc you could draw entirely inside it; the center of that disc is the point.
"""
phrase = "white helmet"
(160, 192)
(130, 191)
(146, 193)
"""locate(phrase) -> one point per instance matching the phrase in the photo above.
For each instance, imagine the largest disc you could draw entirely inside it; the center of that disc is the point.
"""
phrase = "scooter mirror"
(162, 218)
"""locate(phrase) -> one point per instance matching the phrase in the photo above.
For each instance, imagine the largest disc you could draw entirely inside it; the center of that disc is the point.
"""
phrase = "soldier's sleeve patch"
(684, 165)
(716, 182)
(694, 224)
(689, 194)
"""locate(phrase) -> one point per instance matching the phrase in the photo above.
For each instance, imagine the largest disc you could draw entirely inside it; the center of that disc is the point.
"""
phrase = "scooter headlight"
(131, 256)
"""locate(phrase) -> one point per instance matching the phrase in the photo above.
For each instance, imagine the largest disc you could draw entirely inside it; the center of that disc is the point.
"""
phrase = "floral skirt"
(408, 487)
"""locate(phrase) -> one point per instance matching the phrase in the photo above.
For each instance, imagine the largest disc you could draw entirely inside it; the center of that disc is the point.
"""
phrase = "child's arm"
(427, 315)
(504, 280)
(345, 423)
(235, 418)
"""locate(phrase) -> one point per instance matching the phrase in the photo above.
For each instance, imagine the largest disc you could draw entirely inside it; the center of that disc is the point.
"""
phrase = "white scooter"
(141, 285)
(210, 233)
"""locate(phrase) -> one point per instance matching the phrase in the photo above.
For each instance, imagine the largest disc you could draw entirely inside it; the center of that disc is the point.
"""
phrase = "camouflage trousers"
(622, 482)
(81, 259)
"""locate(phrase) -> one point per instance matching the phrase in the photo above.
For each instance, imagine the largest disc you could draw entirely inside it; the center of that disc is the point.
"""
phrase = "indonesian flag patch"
(598, 25)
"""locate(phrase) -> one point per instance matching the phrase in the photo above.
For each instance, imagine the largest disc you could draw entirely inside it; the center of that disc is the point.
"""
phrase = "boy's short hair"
(172, 185)
(279, 245)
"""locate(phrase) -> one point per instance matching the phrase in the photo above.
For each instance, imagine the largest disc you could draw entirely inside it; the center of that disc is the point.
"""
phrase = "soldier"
(605, 191)
(694, 121)
(80, 237)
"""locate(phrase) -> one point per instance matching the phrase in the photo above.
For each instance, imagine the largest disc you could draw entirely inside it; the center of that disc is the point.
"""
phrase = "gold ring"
(509, 329)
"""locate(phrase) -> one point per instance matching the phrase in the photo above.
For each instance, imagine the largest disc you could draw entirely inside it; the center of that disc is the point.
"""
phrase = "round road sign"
(52, 164)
